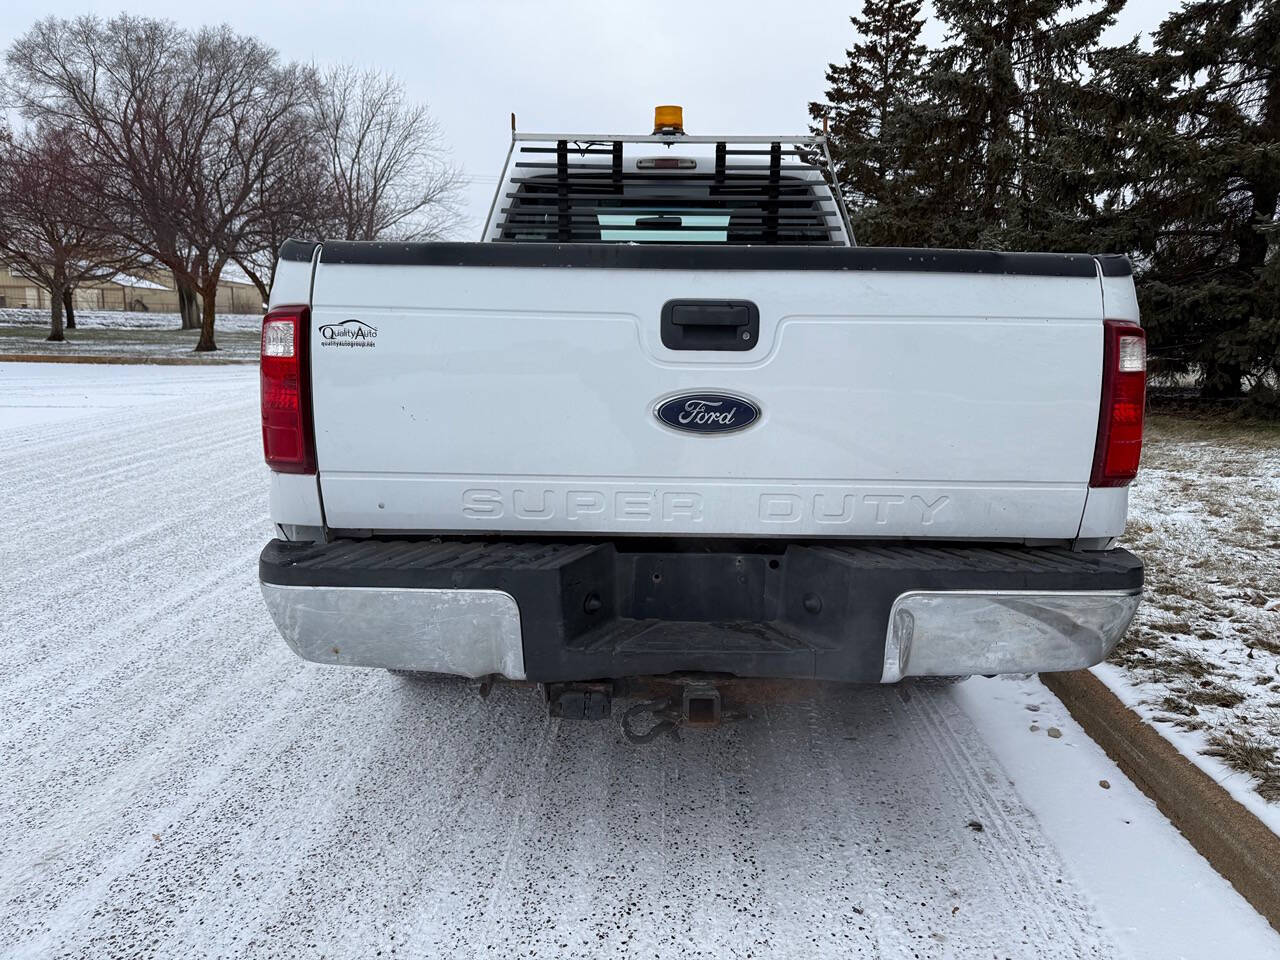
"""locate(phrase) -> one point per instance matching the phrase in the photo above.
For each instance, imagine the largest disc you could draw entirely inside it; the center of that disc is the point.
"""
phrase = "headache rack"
(584, 188)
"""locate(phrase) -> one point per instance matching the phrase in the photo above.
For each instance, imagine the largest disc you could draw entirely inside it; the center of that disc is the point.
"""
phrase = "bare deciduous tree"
(209, 151)
(297, 200)
(391, 176)
(185, 126)
(51, 228)
(373, 168)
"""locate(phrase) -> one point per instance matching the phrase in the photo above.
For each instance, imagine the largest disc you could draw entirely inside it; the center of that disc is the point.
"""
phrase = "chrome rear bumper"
(467, 633)
(956, 632)
(584, 611)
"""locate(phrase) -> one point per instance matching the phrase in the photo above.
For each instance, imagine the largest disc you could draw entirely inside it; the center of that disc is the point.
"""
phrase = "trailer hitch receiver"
(700, 705)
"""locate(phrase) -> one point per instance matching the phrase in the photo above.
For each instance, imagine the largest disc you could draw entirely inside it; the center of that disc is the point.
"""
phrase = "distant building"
(153, 294)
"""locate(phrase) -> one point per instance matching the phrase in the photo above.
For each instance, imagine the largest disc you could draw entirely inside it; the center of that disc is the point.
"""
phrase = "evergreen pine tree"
(997, 138)
(1195, 136)
(881, 76)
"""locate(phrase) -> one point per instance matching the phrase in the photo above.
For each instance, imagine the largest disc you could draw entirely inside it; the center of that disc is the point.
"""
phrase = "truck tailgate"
(892, 404)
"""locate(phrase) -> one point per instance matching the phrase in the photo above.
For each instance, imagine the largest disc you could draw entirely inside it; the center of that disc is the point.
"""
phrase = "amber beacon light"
(668, 119)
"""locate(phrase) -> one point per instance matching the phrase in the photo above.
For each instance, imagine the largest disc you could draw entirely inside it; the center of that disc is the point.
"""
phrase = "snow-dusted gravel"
(175, 783)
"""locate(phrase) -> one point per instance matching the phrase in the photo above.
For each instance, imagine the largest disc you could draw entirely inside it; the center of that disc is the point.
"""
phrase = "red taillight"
(1124, 394)
(286, 391)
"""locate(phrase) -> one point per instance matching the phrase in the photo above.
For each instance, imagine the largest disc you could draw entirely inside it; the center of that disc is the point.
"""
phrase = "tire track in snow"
(61, 448)
(1023, 867)
(263, 697)
(130, 841)
(798, 831)
(1061, 917)
(492, 915)
(92, 454)
(152, 690)
(993, 820)
(420, 821)
(45, 560)
(73, 679)
(140, 457)
(410, 853)
(101, 482)
(340, 824)
(119, 536)
(54, 609)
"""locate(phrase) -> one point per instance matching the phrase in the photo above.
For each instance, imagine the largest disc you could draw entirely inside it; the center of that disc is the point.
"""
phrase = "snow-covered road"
(176, 783)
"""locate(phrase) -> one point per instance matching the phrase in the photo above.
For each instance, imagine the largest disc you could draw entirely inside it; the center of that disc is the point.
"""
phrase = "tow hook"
(696, 704)
(666, 720)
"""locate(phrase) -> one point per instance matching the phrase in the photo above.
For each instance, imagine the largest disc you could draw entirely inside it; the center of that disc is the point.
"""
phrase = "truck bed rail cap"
(298, 250)
(706, 257)
(1114, 264)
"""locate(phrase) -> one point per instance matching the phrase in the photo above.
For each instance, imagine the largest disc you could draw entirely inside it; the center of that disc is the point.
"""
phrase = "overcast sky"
(740, 67)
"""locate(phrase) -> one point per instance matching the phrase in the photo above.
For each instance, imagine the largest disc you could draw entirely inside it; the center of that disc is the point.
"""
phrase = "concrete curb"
(1233, 840)
(107, 358)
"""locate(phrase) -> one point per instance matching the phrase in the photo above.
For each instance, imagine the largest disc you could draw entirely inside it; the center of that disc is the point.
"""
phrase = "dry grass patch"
(1205, 647)
(1251, 755)
(1227, 434)
(1269, 644)
(1211, 694)
(1178, 706)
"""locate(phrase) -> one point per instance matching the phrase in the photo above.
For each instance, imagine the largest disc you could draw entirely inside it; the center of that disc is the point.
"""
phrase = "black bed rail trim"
(706, 257)
(1114, 264)
(298, 250)
(725, 257)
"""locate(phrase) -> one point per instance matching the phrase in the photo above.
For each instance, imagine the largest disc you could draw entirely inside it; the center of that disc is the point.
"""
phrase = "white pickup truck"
(667, 419)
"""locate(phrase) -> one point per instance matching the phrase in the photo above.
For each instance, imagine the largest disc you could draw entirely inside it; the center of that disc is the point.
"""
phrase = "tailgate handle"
(710, 324)
(711, 315)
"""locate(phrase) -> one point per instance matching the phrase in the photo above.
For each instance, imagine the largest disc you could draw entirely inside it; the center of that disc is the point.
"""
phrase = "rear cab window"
(598, 193)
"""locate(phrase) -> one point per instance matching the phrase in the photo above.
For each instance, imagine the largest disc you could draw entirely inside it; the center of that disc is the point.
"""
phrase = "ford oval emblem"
(707, 412)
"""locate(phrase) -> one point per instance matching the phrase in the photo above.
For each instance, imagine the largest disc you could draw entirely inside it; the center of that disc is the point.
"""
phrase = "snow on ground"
(36, 394)
(1103, 830)
(175, 783)
(134, 335)
(1203, 657)
(127, 320)
(1192, 744)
